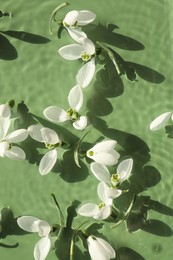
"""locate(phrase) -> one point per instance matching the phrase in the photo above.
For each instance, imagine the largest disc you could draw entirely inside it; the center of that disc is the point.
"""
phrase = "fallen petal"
(160, 121)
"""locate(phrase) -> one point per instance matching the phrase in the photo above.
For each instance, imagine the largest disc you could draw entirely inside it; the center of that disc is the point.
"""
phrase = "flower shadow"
(7, 50)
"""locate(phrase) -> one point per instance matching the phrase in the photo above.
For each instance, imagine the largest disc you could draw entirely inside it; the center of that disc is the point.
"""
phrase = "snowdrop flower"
(85, 51)
(104, 153)
(5, 110)
(75, 100)
(51, 140)
(33, 224)
(160, 121)
(7, 149)
(101, 211)
(100, 249)
(110, 183)
(74, 20)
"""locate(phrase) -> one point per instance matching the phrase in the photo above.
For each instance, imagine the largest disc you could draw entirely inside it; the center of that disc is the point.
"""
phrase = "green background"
(32, 71)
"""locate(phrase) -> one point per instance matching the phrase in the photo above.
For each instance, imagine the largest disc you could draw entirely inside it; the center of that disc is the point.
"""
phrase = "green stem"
(53, 15)
(76, 150)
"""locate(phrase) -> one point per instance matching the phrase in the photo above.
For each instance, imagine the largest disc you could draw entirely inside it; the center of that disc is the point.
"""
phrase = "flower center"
(101, 205)
(85, 56)
(91, 153)
(73, 114)
(69, 26)
(51, 146)
(115, 180)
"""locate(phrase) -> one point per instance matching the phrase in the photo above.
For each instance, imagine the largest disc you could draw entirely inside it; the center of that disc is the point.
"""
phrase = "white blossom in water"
(36, 225)
(74, 20)
(104, 153)
(58, 115)
(5, 110)
(101, 211)
(160, 121)
(85, 51)
(51, 140)
(100, 249)
(110, 183)
(7, 141)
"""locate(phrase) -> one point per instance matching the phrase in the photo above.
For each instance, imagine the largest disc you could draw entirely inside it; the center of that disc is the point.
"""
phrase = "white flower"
(104, 152)
(85, 51)
(160, 121)
(74, 20)
(110, 183)
(101, 211)
(51, 140)
(75, 100)
(100, 249)
(7, 149)
(5, 110)
(33, 224)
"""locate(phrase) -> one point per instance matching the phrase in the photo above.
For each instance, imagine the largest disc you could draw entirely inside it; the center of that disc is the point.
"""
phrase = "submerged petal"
(16, 153)
(28, 223)
(42, 248)
(85, 17)
(75, 98)
(55, 114)
(81, 123)
(71, 51)
(86, 73)
(124, 169)
(5, 110)
(47, 162)
(160, 121)
(100, 172)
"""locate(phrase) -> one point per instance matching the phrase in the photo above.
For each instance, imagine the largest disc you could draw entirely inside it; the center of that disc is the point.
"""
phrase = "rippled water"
(31, 70)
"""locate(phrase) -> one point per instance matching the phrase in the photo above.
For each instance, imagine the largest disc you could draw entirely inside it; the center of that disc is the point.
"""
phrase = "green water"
(32, 71)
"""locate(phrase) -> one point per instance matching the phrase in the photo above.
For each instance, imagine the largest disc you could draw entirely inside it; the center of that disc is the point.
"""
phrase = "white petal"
(81, 123)
(124, 169)
(86, 73)
(100, 172)
(17, 136)
(42, 248)
(101, 191)
(28, 223)
(160, 121)
(4, 146)
(88, 46)
(43, 228)
(88, 210)
(47, 162)
(71, 51)
(113, 193)
(100, 249)
(55, 114)
(103, 213)
(71, 18)
(85, 17)
(5, 110)
(50, 136)
(16, 153)
(35, 132)
(4, 126)
(104, 158)
(76, 34)
(104, 146)
(75, 98)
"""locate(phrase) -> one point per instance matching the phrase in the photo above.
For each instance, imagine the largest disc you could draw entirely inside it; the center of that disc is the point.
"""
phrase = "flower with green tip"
(36, 225)
(58, 115)
(100, 249)
(104, 153)
(51, 140)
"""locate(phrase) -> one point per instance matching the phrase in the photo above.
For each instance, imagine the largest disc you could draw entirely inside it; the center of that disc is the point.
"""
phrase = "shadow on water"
(126, 253)
(9, 226)
(8, 51)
